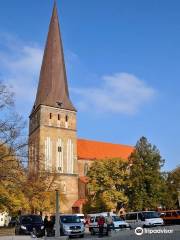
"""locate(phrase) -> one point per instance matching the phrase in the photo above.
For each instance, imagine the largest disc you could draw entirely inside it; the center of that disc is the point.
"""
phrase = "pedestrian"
(109, 223)
(101, 222)
(46, 225)
(51, 225)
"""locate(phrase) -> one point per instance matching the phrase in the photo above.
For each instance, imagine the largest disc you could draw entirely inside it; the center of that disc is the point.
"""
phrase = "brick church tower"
(52, 128)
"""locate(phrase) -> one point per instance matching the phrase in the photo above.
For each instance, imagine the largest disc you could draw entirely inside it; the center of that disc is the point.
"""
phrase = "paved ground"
(149, 234)
(157, 233)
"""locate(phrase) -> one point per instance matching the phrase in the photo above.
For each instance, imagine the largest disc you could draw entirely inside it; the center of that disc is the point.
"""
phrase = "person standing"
(109, 223)
(46, 225)
(51, 225)
(101, 222)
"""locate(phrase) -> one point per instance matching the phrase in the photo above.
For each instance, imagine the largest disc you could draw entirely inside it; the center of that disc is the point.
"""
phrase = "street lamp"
(57, 229)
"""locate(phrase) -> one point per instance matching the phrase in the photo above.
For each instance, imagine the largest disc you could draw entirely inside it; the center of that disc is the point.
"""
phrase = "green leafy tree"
(172, 189)
(145, 178)
(107, 184)
(39, 192)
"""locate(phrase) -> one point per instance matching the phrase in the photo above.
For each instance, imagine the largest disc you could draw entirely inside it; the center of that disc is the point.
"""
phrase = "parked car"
(170, 216)
(27, 224)
(119, 223)
(144, 219)
(81, 215)
(93, 225)
(71, 225)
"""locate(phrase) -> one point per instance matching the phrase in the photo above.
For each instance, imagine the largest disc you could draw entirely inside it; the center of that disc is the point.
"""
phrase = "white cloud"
(119, 93)
(20, 65)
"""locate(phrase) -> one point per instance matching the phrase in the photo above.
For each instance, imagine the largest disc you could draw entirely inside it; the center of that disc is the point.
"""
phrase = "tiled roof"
(79, 202)
(93, 150)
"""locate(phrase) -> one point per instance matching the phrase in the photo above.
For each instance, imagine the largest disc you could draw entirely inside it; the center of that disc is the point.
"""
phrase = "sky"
(122, 60)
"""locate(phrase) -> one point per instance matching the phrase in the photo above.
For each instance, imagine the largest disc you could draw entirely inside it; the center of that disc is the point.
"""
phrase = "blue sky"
(123, 65)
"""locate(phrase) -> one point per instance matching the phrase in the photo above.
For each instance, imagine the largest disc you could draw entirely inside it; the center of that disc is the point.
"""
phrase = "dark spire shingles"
(53, 86)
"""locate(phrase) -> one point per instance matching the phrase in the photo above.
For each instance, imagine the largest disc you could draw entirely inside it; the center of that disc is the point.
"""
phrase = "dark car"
(28, 224)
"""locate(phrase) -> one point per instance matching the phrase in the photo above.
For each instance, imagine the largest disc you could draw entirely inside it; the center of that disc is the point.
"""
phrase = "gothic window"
(31, 155)
(58, 117)
(63, 187)
(66, 121)
(50, 116)
(59, 155)
(35, 157)
(48, 154)
(86, 169)
(70, 156)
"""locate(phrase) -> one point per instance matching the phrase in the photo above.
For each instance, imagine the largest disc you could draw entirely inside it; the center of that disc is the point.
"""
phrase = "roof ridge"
(97, 141)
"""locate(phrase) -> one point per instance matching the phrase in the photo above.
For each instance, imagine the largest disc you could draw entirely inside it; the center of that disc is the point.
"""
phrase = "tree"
(172, 189)
(38, 190)
(145, 178)
(18, 189)
(12, 141)
(12, 152)
(107, 184)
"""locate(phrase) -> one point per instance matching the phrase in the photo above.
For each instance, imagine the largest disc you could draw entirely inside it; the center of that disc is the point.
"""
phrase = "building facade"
(53, 143)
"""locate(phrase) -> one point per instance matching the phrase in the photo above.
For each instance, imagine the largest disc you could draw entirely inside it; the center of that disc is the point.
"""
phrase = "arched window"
(70, 156)
(58, 116)
(59, 155)
(48, 154)
(86, 169)
(66, 121)
(50, 116)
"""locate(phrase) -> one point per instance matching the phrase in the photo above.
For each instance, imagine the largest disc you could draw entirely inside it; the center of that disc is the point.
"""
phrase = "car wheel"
(81, 236)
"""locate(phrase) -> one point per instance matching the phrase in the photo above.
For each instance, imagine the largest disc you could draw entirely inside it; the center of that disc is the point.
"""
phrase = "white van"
(117, 222)
(93, 224)
(144, 219)
(4, 219)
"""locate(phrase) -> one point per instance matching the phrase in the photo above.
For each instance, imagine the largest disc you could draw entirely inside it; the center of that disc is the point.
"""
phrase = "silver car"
(71, 225)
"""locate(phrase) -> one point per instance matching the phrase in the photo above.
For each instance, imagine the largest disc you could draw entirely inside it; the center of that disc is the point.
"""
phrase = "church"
(53, 142)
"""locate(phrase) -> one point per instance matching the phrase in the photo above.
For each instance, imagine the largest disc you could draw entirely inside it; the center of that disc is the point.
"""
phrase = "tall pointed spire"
(53, 87)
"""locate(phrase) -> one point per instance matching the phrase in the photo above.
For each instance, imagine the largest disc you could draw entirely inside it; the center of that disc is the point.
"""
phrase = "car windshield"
(148, 215)
(70, 219)
(116, 218)
(31, 219)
